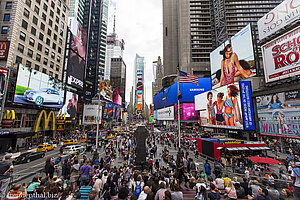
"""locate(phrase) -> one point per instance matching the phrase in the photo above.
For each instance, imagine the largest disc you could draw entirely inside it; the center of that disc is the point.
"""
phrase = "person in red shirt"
(15, 193)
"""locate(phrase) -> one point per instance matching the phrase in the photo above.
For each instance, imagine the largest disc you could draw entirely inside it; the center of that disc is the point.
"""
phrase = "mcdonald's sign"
(45, 121)
(8, 118)
(4, 46)
(61, 122)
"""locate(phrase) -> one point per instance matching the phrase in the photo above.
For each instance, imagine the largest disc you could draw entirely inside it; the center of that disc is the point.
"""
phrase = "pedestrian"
(85, 189)
(230, 191)
(213, 194)
(15, 193)
(296, 176)
(85, 171)
(49, 168)
(6, 168)
(207, 169)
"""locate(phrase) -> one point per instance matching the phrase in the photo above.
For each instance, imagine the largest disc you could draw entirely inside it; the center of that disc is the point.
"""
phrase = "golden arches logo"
(61, 117)
(9, 114)
(46, 119)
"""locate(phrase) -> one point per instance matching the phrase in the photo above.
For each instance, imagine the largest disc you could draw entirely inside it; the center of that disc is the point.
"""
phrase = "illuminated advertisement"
(281, 56)
(233, 60)
(169, 96)
(187, 112)
(166, 113)
(36, 88)
(90, 113)
(3, 79)
(279, 114)
(4, 47)
(70, 107)
(76, 62)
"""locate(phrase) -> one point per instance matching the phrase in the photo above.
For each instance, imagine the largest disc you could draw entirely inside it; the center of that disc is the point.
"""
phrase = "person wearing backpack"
(137, 186)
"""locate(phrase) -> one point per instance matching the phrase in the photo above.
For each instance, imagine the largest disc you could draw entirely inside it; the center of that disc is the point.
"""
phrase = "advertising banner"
(279, 114)
(88, 92)
(4, 47)
(90, 113)
(233, 60)
(281, 16)
(36, 88)
(281, 56)
(70, 107)
(166, 113)
(247, 105)
(76, 62)
(169, 96)
(221, 107)
(3, 79)
(187, 112)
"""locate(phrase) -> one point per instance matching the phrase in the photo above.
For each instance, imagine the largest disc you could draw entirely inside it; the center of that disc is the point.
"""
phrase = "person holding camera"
(6, 168)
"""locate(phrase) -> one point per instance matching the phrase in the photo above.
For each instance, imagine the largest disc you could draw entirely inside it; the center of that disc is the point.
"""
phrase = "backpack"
(138, 189)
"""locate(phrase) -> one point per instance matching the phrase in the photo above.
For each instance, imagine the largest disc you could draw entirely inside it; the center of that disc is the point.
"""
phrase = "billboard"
(221, 107)
(279, 114)
(281, 56)
(166, 113)
(76, 62)
(281, 16)
(233, 60)
(90, 113)
(36, 88)
(4, 47)
(169, 96)
(3, 79)
(70, 107)
(187, 112)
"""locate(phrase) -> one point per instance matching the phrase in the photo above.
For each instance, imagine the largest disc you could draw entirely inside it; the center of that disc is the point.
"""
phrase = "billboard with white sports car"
(36, 88)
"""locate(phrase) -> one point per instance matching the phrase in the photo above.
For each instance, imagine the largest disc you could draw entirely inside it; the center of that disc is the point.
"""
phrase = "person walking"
(6, 168)
(296, 176)
(207, 168)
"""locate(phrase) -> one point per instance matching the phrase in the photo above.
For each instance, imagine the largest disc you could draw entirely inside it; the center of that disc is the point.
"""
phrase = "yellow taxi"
(71, 141)
(83, 139)
(110, 136)
(44, 148)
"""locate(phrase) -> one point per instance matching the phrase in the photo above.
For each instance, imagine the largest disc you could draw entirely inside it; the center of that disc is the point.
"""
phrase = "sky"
(139, 24)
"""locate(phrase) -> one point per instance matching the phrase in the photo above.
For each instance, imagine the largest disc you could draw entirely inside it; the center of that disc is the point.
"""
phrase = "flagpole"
(178, 109)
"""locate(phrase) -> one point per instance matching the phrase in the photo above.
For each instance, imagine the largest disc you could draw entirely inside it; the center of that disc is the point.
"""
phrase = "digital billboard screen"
(3, 79)
(187, 112)
(279, 114)
(70, 107)
(4, 47)
(233, 60)
(36, 88)
(90, 113)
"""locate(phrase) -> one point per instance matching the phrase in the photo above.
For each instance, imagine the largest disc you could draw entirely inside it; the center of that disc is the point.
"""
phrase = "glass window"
(35, 20)
(8, 5)
(64, 8)
(45, 61)
(24, 24)
(38, 1)
(59, 50)
(46, 51)
(57, 19)
(28, 63)
(51, 64)
(57, 68)
(29, 53)
(4, 30)
(59, 3)
(60, 41)
(28, 3)
(26, 13)
(48, 41)
(36, 10)
(56, 28)
(49, 32)
(40, 47)
(18, 59)
(54, 36)
(33, 30)
(50, 22)
(37, 67)
(6, 17)
(62, 25)
(31, 42)
(21, 48)
(50, 73)
(63, 16)
(51, 13)
(44, 70)
(58, 11)
(56, 76)
(44, 17)
(22, 36)
(58, 58)
(45, 7)
(61, 33)
(41, 36)
(52, 55)
(42, 26)
(54, 46)
(38, 57)
(52, 4)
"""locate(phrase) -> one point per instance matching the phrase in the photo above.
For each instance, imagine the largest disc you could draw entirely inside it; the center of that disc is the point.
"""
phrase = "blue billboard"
(247, 105)
(169, 96)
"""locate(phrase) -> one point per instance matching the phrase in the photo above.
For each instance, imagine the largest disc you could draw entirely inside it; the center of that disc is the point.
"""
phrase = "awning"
(237, 148)
(259, 148)
(219, 148)
(265, 160)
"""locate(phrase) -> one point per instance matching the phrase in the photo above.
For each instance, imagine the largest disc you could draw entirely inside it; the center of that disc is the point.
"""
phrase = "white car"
(73, 149)
(45, 95)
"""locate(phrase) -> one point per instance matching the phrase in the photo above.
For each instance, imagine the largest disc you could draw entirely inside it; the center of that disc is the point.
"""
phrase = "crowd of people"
(98, 177)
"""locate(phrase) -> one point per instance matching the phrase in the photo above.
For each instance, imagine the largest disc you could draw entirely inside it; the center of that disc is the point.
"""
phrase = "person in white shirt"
(220, 183)
(144, 193)
(296, 176)
(247, 173)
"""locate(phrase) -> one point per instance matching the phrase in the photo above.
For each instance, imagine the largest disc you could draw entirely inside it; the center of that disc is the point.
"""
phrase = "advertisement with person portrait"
(221, 107)
(39, 89)
(281, 56)
(70, 107)
(187, 112)
(3, 79)
(279, 114)
(233, 60)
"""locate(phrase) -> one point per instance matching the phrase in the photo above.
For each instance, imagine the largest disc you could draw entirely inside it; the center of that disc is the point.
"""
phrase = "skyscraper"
(77, 10)
(191, 29)
(95, 22)
(118, 76)
(157, 84)
(139, 66)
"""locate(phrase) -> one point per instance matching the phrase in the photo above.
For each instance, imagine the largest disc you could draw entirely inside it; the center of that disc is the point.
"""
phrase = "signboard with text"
(166, 113)
(4, 47)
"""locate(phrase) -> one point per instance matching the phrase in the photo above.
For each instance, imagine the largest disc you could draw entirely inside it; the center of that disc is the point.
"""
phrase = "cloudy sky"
(139, 23)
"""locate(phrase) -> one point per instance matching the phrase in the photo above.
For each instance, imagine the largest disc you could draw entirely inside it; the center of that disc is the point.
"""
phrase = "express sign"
(282, 56)
(284, 14)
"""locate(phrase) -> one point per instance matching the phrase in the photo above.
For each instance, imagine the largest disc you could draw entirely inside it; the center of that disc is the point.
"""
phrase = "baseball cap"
(8, 156)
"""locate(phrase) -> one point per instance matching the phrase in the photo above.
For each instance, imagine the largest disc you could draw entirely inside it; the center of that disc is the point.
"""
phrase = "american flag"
(187, 78)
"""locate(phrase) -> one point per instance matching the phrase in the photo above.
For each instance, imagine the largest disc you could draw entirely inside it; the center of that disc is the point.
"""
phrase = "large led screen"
(187, 112)
(36, 88)
(233, 60)
(3, 79)
(279, 114)
(70, 107)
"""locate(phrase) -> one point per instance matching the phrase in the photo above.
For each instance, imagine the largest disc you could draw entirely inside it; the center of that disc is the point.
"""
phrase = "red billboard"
(4, 47)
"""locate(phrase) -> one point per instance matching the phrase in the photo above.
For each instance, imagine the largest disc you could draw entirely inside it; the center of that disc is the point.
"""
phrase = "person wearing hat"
(5, 169)
(296, 177)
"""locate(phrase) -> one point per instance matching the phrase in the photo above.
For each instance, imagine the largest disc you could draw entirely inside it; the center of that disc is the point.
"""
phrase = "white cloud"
(138, 22)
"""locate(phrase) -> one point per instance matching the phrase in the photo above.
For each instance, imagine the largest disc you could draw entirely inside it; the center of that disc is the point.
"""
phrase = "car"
(83, 139)
(45, 148)
(45, 95)
(28, 157)
(73, 149)
(70, 141)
